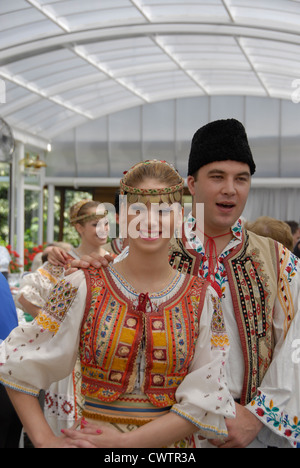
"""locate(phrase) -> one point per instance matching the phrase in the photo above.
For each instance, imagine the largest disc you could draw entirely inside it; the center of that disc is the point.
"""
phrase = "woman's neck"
(146, 272)
(86, 249)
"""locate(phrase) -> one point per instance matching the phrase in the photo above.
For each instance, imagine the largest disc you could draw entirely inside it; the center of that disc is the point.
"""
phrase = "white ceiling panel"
(81, 60)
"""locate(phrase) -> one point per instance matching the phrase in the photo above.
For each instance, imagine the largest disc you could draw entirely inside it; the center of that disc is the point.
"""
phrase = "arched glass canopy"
(66, 62)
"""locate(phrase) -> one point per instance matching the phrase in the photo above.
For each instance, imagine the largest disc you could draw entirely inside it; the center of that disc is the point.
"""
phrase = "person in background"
(297, 250)
(5, 260)
(92, 228)
(274, 228)
(42, 257)
(295, 228)
(116, 246)
(10, 425)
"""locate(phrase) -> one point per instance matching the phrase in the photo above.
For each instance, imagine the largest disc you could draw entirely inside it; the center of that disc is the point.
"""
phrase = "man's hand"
(241, 431)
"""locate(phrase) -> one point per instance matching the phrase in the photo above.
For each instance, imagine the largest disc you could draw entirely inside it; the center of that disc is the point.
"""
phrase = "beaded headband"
(168, 195)
(86, 217)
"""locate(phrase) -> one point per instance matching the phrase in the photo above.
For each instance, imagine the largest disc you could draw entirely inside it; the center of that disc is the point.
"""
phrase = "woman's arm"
(34, 422)
(32, 418)
(161, 432)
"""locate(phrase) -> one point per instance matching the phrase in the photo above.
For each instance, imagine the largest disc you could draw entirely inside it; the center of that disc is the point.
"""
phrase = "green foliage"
(31, 227)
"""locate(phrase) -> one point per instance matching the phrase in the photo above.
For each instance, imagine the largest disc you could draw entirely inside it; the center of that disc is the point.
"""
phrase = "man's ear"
(191, 184)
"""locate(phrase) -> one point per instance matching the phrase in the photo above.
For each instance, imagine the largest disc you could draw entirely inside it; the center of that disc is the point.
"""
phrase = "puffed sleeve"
(44, 351)
(277, 403)
(35, 287)
(203, 397)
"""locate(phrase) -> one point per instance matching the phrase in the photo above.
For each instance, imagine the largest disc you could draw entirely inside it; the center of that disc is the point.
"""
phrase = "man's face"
(296, 237)
(223, 187)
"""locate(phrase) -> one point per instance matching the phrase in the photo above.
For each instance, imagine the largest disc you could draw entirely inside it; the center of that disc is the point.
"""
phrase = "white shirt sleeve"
(44, 351)
(203, 397)
(277, 403)
(36, 286)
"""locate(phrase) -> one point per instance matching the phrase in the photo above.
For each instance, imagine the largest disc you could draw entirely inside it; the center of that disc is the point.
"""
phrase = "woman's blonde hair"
(164, 173)
(80, 212)
(275, 229)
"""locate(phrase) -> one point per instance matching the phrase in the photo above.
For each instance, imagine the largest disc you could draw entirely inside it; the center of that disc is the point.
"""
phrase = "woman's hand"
(59, 442)
(94, 259)
(93, 436)
(58, 257)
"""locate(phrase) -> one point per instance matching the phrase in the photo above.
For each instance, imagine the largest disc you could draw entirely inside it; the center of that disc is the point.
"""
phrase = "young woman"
(151, 340)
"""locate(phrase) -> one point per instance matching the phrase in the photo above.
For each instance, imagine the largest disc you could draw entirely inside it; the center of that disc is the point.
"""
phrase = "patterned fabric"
(127, 409)
(57, 305)
(248, 265)
(109, 355)
(253, 276)
(264, 407)
(260, 294)
(219, 337)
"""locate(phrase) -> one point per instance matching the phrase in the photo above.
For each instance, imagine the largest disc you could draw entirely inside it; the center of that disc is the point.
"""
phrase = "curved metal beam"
(39, 46)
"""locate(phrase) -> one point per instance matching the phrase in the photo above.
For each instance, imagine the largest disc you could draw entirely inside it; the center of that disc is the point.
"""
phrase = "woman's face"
(151, 226)
(95, 231)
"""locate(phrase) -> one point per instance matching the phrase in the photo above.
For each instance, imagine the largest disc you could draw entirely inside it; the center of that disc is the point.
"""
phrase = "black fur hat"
(220, 140)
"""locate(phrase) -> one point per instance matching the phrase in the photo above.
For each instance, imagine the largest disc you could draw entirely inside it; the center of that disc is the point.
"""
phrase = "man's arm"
(241, 431)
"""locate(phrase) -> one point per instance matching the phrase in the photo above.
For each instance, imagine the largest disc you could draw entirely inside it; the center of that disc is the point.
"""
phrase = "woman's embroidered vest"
(253, 273)
(112, 333)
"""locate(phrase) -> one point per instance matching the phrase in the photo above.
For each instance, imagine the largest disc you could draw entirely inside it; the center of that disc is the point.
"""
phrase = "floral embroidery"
(58, 304)
(46, 323)
(291, 268)
(53, 273)
(60, 300)
(281, 421)
(61, 406)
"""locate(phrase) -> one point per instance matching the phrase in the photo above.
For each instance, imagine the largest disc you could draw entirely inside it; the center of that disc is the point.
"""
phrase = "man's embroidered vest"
(253, 273)
(112, 333)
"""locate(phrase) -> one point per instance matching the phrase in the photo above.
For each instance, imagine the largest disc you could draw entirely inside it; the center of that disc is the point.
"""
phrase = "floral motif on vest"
(112, 333)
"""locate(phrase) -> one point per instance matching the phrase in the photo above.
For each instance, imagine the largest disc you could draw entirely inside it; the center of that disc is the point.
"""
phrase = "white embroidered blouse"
(34, 356)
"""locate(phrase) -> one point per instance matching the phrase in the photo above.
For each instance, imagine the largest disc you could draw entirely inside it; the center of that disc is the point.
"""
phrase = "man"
(10, 425)
(258, 281)
(295, 228)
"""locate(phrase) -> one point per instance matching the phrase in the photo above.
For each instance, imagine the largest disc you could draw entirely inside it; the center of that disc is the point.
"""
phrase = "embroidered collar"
(131, 293)
(196, 244)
